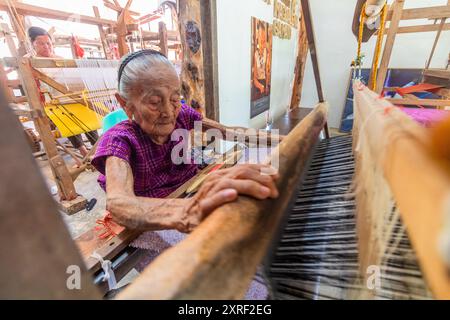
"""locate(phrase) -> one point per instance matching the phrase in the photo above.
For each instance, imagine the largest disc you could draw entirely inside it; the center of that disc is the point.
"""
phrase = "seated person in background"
(134, 157)
(43, 45)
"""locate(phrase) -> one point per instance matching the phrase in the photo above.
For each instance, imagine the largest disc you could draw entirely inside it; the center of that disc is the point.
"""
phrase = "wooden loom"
(88, 110)
(109, 31)
(397, 148)
(220, 270)
(395, 15)
(209, 263)
(71, 202)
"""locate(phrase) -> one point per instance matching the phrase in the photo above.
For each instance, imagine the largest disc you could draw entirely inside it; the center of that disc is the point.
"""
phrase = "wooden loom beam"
(210, 58)
(438, 35)
(422, 196)
(312, 46)
(219, 259)
(306, 10)
(116, 7)
(192, 74)
(123, 20)
(37, 249)
(17, 21)
(102, 34)
(30, 10)
(420, 28)
(8, 93)
(300, 65)
(70, 199)
(7, 33)
(422, 102)
(389, 45)
(436, 12)
(163, 45)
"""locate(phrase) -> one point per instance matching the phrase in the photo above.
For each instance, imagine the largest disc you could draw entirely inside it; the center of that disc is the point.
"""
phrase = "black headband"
(132, 56)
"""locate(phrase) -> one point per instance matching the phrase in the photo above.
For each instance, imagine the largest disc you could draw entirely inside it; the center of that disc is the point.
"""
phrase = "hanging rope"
(359, 56)
(376, 59)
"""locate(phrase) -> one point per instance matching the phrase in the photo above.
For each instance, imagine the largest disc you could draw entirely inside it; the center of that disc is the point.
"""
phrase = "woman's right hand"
(224, 186)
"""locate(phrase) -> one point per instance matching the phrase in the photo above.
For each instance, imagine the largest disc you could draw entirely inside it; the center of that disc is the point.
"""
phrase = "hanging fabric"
(77, 49)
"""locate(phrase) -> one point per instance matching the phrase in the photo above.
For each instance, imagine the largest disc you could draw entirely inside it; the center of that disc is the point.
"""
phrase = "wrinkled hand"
(224, 186)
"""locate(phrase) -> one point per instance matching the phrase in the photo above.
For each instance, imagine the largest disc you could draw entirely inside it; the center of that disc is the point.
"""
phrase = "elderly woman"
(134, 157)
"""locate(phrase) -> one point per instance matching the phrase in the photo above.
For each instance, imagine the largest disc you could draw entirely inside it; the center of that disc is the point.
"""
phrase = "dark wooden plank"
(306, 10)
(435, 12)
(210, 58)
(312, 46)
(290, 120)
(300, 64)
(192, 74)
(163, 46)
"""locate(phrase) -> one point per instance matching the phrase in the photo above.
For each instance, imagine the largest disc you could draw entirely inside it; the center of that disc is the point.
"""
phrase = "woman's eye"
(153, 101)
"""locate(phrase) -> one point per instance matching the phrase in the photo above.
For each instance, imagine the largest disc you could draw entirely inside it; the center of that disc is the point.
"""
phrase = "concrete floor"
(87, 186)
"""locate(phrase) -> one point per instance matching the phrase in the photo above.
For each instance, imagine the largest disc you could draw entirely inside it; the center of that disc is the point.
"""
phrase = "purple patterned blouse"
(155, 175)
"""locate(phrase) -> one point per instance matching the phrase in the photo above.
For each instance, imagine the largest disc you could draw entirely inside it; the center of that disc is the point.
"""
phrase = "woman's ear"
(126, 107)
(121, 100)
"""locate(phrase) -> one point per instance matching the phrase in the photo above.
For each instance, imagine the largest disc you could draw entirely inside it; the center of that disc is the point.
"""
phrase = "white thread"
(363, 127)
(100, 80)
(107, 269)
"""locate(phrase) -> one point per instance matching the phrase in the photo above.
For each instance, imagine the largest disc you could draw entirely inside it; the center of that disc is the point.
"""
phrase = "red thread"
(387, 110)
(107, 227)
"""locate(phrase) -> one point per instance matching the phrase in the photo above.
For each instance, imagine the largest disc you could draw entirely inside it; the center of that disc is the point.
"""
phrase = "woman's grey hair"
(135, 66)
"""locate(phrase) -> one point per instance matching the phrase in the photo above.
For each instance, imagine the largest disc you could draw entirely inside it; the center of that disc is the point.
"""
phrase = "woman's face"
(43, 46)
(155, 101)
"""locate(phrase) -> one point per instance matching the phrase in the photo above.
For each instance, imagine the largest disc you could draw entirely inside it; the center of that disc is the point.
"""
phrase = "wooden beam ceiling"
(437, 12)
(30, 10)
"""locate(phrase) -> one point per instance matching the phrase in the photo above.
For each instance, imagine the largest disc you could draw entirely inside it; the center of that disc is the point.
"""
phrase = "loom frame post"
(210, 58)
(192, 74)
(163, 45)
(300, 65)
(59, 169)
(395, 15)
(309, 27)
(102, 34)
